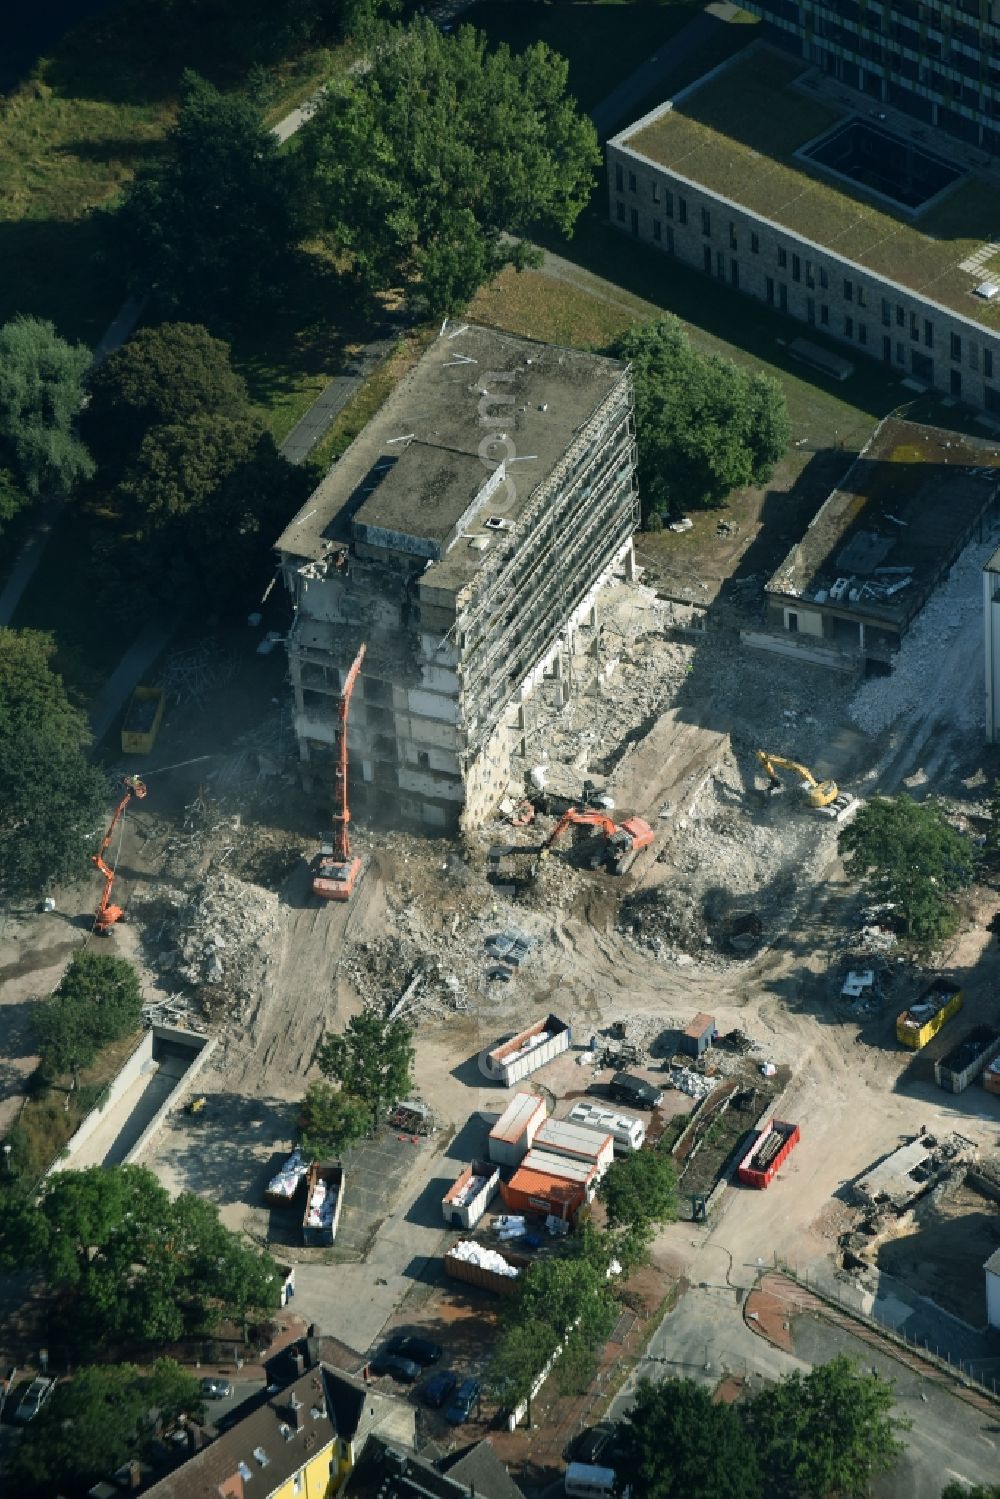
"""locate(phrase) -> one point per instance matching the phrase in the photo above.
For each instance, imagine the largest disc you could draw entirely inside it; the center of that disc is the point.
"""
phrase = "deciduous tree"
(95, 1422)
(202, 505)
(372, 1059)
(50, 796)
(676, 1442)
(209, 226)
(127, 1261)
(98, 1000)
(41, 387)
(827, 1432)
(422, 164)
(161, 376)
(640, 1190)
(907, 852)
(704, 426)
(332, 1119)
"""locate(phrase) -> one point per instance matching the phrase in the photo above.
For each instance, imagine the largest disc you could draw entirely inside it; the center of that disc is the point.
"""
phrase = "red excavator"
(619, 844)
(107, 914)
(337, 869)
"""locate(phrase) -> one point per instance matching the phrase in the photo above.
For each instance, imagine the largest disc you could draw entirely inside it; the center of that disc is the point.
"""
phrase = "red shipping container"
(766, 1157)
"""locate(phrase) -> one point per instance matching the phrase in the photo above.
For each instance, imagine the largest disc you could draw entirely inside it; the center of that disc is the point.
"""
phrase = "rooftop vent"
(261, 1456)
(286, 1431)
(479, 543)
(496, 523)
(988, 290)
(244, 1471)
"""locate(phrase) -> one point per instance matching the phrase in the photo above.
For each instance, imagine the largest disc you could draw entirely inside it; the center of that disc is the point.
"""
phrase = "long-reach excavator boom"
(337, 869)
(107, 914)
(824, 796)
(621, 841)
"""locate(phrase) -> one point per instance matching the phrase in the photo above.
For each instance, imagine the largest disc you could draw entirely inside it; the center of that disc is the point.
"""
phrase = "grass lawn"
(602, 42)
(70, 137)
(46, 1124)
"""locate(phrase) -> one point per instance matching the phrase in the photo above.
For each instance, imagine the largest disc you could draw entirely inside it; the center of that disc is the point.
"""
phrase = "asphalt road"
(705, 1337)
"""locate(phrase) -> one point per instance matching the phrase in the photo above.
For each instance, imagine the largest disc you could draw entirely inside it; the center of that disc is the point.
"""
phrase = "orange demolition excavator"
(618, 846)
(337, 869)
(107, 914)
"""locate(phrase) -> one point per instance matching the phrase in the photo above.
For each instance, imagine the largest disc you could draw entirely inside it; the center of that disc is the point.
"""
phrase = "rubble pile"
(920, 668)
(217, 934)
(666, 919)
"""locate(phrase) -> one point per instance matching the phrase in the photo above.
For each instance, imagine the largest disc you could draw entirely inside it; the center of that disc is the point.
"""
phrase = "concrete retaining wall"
(122, 1080)
(183, 1087)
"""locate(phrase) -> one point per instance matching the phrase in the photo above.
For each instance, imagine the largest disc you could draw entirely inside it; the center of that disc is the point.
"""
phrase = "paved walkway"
(335, 396)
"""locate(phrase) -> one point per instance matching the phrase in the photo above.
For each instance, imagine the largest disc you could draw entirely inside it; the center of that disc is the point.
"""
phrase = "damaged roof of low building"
(420, 473)
(894, 523)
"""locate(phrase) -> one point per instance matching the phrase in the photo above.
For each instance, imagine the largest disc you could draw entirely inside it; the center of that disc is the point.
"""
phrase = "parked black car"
(420, 1350)
(625, 1088)
(438, 1388)
(597, 1445)
(403, 1369)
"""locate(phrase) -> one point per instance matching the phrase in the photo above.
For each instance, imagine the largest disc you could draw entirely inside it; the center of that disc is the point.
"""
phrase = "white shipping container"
(528, 1050)
(466, 1202)
(514, 1131)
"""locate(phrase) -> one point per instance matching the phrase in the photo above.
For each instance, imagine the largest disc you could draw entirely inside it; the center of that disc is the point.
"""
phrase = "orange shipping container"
(536, 1192)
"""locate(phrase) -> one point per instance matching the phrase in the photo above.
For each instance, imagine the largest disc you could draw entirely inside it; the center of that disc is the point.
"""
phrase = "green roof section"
(737, 134)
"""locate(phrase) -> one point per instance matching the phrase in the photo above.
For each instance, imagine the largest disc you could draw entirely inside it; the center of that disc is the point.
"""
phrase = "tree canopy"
(372, 1060)
(420, 165)
(908, 853)
(704, 425)
(640, 1189)
(332, 1119)
(827, 1432)
(208, 488)
(98, 1000)
(127, 1261)
(563, 1300)
(676, 1443)
(95, 1422)
(159, 377)
(41, 387)
(50, 796)
(209, 224)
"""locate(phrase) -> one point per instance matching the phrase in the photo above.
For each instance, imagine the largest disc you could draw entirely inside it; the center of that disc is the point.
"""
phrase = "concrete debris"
(694, 1084)
(196, 674)
(952, 615)
(214, 936)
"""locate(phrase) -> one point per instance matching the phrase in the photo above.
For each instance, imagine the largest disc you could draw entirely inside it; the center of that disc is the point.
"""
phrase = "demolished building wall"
(463, 572)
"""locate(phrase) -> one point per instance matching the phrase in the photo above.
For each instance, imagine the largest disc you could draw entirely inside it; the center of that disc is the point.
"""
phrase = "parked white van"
(584, 1481)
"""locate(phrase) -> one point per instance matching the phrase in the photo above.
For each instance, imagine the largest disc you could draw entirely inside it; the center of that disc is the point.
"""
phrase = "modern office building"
(768, 178)
(937, 59)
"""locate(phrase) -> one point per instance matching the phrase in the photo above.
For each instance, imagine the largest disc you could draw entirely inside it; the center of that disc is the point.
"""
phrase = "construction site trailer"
(466, 1202)
(528, 1050)
(324, 1199)
(698, 1036)
(627, 1132)
(937, 1004)
(966, 1061)
(564, 1138)
(479, 1266)
(536, 1191)
(768, 1153)
(511, 1136)
(142, 720)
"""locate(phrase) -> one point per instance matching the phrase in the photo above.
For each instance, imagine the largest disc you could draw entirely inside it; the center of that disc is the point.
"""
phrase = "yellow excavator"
(823, 796)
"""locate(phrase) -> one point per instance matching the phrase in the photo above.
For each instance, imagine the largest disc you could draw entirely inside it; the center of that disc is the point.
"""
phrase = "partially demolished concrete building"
(462, 536)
